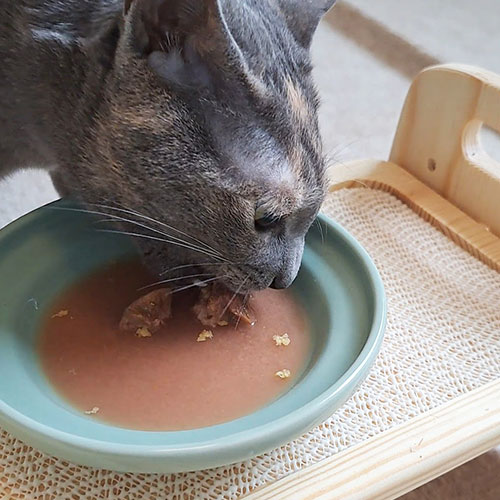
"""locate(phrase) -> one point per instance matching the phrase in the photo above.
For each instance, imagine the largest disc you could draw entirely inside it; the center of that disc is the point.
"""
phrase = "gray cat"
(193, 120)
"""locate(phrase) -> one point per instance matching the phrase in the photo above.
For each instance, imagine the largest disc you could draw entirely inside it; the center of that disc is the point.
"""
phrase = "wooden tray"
(438, 167)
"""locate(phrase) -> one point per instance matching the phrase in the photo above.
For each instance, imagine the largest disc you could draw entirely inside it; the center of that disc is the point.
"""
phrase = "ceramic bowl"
(46, 251)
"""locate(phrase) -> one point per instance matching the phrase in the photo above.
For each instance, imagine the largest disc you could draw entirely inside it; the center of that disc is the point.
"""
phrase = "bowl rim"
(293, 422)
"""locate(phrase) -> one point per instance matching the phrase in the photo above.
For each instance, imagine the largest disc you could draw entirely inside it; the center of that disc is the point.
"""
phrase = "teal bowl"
(46, 251)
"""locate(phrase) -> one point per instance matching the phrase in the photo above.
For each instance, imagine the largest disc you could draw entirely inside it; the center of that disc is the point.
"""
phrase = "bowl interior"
(48, 250)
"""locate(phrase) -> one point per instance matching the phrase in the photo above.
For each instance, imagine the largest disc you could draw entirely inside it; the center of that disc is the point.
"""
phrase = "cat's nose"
(290, 265)
(275, 284)
(281, 282)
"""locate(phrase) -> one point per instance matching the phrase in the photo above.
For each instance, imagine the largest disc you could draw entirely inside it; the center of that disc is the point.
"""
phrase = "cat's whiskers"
(245, 303)
(171, 280)
(173, 240)
(332, 158)
(163, 224)
(320, 230)
(154, 238)
(198, 283)
(194, 264)
(234, 296)
(116, 218)
(196, 243)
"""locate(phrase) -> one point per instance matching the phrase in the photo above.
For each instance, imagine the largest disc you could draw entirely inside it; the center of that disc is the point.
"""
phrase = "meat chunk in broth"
(149, 312)
(219, 306)
(216, 306)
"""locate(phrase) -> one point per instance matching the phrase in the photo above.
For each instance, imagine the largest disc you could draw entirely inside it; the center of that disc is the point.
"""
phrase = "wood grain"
(437, 139)
(474, 237)
(399, 460)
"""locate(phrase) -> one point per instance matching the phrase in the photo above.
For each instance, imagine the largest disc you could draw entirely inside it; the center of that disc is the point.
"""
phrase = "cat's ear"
(179, 37)
(303, 17)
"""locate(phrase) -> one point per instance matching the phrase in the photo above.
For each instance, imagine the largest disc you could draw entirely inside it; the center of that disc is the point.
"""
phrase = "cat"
(196, 119)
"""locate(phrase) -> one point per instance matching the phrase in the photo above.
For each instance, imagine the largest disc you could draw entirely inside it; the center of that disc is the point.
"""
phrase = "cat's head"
(210, 127)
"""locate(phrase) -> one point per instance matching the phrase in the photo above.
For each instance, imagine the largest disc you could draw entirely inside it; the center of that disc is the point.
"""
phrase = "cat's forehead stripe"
(286, 200)
(298, 162)
(298, 103)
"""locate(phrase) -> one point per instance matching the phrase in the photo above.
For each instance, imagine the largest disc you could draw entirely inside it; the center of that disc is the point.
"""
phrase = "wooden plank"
(438, 138)
(474, 237)
(401, 459)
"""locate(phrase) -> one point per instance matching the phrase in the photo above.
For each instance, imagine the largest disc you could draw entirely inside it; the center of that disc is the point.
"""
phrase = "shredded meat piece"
(60, 314)
(143, 333)
(285, 373)
(148, 313)
(217, 306)
(282, 339)
(205, 335)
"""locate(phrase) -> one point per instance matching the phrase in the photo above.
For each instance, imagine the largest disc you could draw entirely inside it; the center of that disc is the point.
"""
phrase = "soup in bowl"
(183, 376)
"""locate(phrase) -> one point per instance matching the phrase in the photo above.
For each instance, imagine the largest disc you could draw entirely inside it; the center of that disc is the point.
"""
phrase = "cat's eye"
(264, 219)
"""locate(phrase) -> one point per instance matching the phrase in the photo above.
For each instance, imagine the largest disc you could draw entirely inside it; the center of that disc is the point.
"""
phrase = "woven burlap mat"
(442, 340)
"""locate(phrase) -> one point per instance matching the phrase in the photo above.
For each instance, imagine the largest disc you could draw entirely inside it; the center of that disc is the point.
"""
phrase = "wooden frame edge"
(403, 458)
(472, 236)
(438, 138)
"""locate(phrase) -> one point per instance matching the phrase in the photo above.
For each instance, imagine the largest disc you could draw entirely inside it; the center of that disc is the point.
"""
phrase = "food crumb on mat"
(205, 335)
(143, 332)
(222, 323)
(60, 314)
(282, 339)
(93, 411)
(283, 373)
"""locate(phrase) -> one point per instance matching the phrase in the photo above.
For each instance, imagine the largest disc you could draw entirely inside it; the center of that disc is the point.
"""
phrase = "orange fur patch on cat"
(297, 101)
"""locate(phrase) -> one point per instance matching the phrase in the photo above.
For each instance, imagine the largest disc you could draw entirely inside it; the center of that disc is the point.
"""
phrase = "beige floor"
(462, 31)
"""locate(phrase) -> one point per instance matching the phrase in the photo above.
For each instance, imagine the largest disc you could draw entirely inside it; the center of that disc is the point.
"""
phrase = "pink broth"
(168, 381)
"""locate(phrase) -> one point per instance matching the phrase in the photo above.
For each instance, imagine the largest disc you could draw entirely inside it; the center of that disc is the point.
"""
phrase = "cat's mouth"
(236, 280)
(241, 280)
